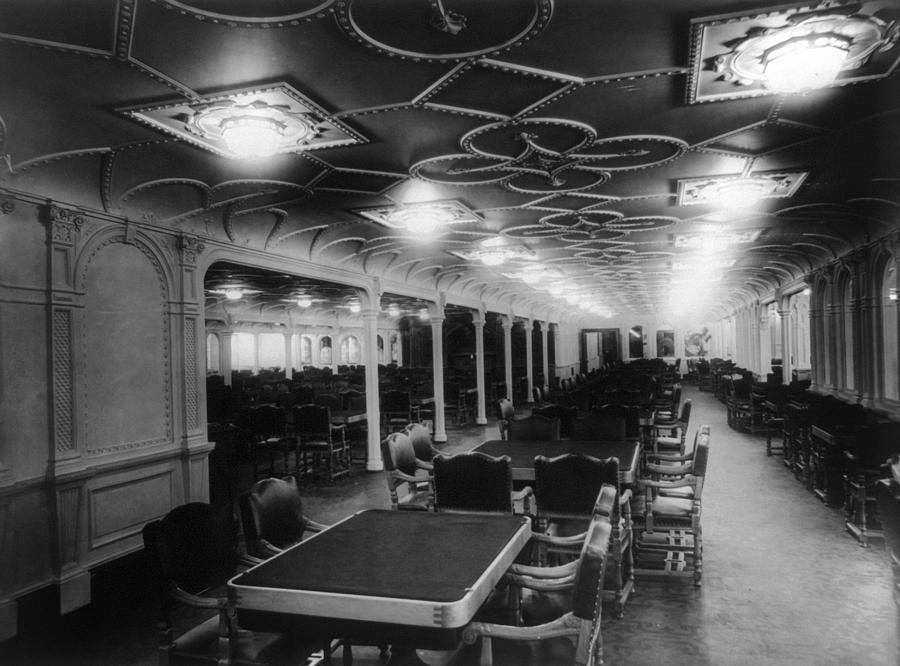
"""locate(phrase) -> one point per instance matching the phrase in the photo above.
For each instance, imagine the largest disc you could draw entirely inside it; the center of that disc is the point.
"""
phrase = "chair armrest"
(526, 497)
(269, 549)
(562, 584)
(668, 470)
(625, 497)
(421, 464)
(247, 560)
(688, 480)
(197, 601)
(565, 625)
(315, 526)
(570, 540)
(403, 476)
(669, 457)
(558, 571)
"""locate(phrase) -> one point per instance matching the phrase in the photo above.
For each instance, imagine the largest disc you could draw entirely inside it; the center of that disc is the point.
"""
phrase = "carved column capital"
(190, 248)
(63, 224)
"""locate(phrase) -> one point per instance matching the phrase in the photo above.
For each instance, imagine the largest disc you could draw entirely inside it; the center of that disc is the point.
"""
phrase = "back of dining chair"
(534, 427)
(272, 512)
(473, 482)
(567, 486)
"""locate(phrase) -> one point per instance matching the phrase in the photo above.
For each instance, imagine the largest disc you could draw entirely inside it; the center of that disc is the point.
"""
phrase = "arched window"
(890, 386)
(395, 348)
(306, 350)
(243, 351)
(271, 350)
(846, 325)
(349, 350)
(325, 350)
(212, 353)
(823, 371)
(799, 307)
(380, 350)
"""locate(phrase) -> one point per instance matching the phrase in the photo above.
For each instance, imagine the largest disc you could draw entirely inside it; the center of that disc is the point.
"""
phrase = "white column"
(225, 338)
(374, 462)
(507, 323)
(529, 354)
(256, 353)
(478, 321)
(437, 364)
(787, 351)
(545, 365)
(288, 356)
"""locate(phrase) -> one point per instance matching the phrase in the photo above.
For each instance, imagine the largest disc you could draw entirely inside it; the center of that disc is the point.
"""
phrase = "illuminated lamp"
(421, 219)
(355, 307)
(492, 257)
(304, 301)
(805, 63)
(234, 294)
(393, 310)
(251, 136)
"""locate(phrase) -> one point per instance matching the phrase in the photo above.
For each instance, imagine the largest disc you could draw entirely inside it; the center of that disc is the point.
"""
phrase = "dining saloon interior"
(514, 275)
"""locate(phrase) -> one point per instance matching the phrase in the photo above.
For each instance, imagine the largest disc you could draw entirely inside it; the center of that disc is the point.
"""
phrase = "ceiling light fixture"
(793, 50)
(805, 63)
(252, 136)
(234, 294)
(393, 310)
(355, 308)
(304, 301)
(421, 219)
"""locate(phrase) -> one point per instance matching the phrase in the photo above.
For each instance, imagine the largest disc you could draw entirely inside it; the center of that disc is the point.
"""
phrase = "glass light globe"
(251, 136)
(355, 307)
(304, 301)
(233, 294)
(393, 310)
(805, 64)
(492, 257)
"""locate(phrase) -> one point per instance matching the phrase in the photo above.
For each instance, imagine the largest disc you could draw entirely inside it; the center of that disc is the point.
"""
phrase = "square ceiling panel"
(492, 88)
(297, 123)
(772, 52)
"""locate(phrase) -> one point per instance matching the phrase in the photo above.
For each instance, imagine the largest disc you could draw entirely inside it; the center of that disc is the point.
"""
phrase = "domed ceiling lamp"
(420, 218)
(249, 123)
(790, 49)
(496, 251)
(739, 192)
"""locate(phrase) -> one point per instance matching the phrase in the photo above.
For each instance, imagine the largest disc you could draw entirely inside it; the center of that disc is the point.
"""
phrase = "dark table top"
(413, 568)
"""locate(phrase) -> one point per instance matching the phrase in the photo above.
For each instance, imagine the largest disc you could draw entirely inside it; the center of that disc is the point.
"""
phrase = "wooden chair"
(505, 413)
(266, 429)
(571, 605)
(410, 481)
(567, 488)
(533, 427)
(191, 553)
(887, 495)
(668, 436)
(272, 516)
(565, 414)
(421, 441)
(474, 482)
(396, 411)
(598, 426)
(320, 440)
(669, 538)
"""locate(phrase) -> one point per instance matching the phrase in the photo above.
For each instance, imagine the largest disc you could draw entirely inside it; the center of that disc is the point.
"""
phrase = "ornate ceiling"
(583, 137)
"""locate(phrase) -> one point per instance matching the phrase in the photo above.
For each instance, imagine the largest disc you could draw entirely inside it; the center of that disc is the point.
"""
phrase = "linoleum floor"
(783, 582)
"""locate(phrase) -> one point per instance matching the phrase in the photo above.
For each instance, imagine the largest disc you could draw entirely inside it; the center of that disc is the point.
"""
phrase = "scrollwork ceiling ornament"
(545, 156)
(443, 30)
(290, 17)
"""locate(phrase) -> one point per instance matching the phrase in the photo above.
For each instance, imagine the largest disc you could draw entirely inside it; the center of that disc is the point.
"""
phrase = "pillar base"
(74, 590)
(440, 437)
(481, 420)
(374, 465)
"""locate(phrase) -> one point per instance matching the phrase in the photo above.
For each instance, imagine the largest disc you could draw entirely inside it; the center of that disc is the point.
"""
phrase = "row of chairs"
(305, 432)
